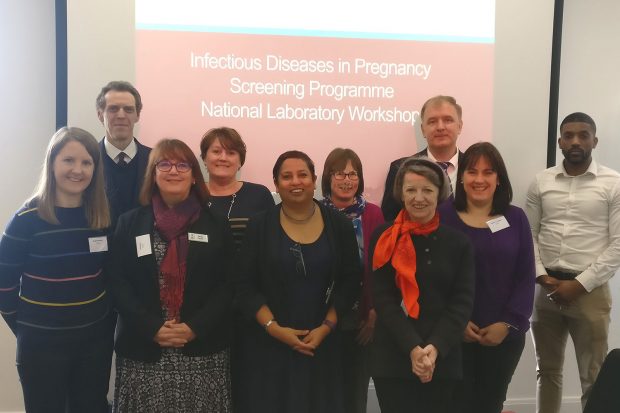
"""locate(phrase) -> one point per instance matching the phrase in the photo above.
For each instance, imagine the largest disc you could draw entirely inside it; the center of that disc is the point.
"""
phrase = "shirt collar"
(454, 160)
(112, 151)
(592, 169)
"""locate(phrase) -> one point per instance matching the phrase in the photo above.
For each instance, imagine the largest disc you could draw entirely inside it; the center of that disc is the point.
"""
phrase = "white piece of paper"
(498, 224)
(143, 245)
(197, 237)
(98, 244)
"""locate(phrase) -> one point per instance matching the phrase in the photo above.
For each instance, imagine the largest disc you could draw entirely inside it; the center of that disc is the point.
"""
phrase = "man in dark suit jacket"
(124, 158)
(441, 125)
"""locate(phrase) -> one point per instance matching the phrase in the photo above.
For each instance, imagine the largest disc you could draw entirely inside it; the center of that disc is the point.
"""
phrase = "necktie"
(122, 159)
(445, 166)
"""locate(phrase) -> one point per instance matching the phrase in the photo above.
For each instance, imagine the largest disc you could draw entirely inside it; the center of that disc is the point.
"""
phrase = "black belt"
(562, 275)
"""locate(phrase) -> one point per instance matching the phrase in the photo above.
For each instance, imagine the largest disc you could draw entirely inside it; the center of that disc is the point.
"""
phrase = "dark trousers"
(487, 372)
(70, 377)
(355, 372)
(410, 396)
(605, 396)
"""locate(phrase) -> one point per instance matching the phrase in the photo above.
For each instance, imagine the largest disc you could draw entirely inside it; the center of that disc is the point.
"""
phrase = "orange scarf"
(392, 245)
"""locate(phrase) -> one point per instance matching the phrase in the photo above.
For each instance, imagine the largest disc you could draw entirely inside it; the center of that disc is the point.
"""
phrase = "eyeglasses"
(166, 166)
(340, 175)
(300, 265)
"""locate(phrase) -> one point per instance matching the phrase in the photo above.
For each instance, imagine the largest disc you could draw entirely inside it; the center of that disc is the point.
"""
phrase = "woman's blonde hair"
(94, 199)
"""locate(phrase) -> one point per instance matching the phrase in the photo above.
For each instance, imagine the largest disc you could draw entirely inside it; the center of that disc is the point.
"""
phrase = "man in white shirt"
(574, 213)
(124, 158)
(441, 126)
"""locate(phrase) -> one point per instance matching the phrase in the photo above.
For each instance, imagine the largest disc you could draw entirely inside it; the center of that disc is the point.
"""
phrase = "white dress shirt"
(112, 151)
(575, 222)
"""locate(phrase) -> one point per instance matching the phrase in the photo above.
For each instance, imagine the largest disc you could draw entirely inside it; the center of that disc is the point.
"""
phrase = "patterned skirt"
(176, 383)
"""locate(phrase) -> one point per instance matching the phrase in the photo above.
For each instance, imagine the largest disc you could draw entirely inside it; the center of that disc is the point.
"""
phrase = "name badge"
(98, 244)
(143, 245)
(498, 224)
(197, 237)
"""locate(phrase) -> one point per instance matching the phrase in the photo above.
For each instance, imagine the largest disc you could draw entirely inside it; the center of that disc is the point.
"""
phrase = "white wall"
(27, 116)
(589, 83)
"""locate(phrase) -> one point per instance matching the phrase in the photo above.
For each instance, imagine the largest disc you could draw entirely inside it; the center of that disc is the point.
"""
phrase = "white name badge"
(98, 244)
(498, 224)
(143, 245)
(197, 237)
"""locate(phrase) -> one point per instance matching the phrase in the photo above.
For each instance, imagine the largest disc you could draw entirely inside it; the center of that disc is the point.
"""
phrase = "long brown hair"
(178, 150)
(94, 199)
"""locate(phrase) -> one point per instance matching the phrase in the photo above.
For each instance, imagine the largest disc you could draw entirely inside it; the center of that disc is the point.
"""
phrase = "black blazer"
(445, 276)
(390, 206)
(134, 287)
(260, 281)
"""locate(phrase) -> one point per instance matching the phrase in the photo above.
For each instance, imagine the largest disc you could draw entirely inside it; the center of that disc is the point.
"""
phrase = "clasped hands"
(174, 334)
(423, 362)
(491, 335)
(561, 292)
(303, 341)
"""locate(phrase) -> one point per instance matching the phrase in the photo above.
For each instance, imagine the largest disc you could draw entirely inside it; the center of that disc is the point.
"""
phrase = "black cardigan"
(134, 287)
(445, 276)
(260, 281)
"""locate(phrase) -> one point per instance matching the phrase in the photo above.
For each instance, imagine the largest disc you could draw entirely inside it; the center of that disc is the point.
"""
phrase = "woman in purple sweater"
(504, 257)
(342, 184)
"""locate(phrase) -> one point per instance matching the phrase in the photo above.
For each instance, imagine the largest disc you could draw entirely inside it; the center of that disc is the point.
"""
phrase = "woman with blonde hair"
(52, 291)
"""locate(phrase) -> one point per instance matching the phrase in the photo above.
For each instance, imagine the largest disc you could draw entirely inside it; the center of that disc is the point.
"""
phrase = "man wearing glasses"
(124, 158)
(441, 125)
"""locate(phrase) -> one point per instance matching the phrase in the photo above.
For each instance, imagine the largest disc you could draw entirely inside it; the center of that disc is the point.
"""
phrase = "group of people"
(223, 301)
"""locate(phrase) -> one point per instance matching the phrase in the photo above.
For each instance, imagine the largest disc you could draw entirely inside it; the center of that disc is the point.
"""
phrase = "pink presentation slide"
(307, 93)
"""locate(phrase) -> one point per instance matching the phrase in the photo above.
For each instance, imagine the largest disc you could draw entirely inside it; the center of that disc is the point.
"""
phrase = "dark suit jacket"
(142, 158)
(259, 277)
(445, 276)
(390, 206)
(134, 287)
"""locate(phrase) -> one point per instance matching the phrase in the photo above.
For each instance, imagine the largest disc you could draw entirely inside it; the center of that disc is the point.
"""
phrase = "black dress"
(275, 378)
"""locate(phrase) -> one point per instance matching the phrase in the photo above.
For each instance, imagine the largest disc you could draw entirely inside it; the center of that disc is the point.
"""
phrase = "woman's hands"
(423, 362)
(302, 341)
(291, 338)
(174, 334)
(491, 335)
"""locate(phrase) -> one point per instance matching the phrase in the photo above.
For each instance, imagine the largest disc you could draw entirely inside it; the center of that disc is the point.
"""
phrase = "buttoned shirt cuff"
(540, 270)
(588, 280)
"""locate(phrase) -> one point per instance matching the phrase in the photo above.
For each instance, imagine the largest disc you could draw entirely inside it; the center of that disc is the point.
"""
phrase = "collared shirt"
(575, 222)
(130, 151)
(452, 168)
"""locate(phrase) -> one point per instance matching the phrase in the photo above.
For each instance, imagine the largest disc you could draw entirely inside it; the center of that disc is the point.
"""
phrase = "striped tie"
(121, 159)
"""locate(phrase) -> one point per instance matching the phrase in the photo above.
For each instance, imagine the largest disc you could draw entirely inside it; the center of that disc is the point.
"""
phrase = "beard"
(576, 156)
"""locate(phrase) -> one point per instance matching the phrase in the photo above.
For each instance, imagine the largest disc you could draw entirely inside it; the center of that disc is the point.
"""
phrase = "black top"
(248, 201)
(445, 276)
(260, 279)
(134, 287)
